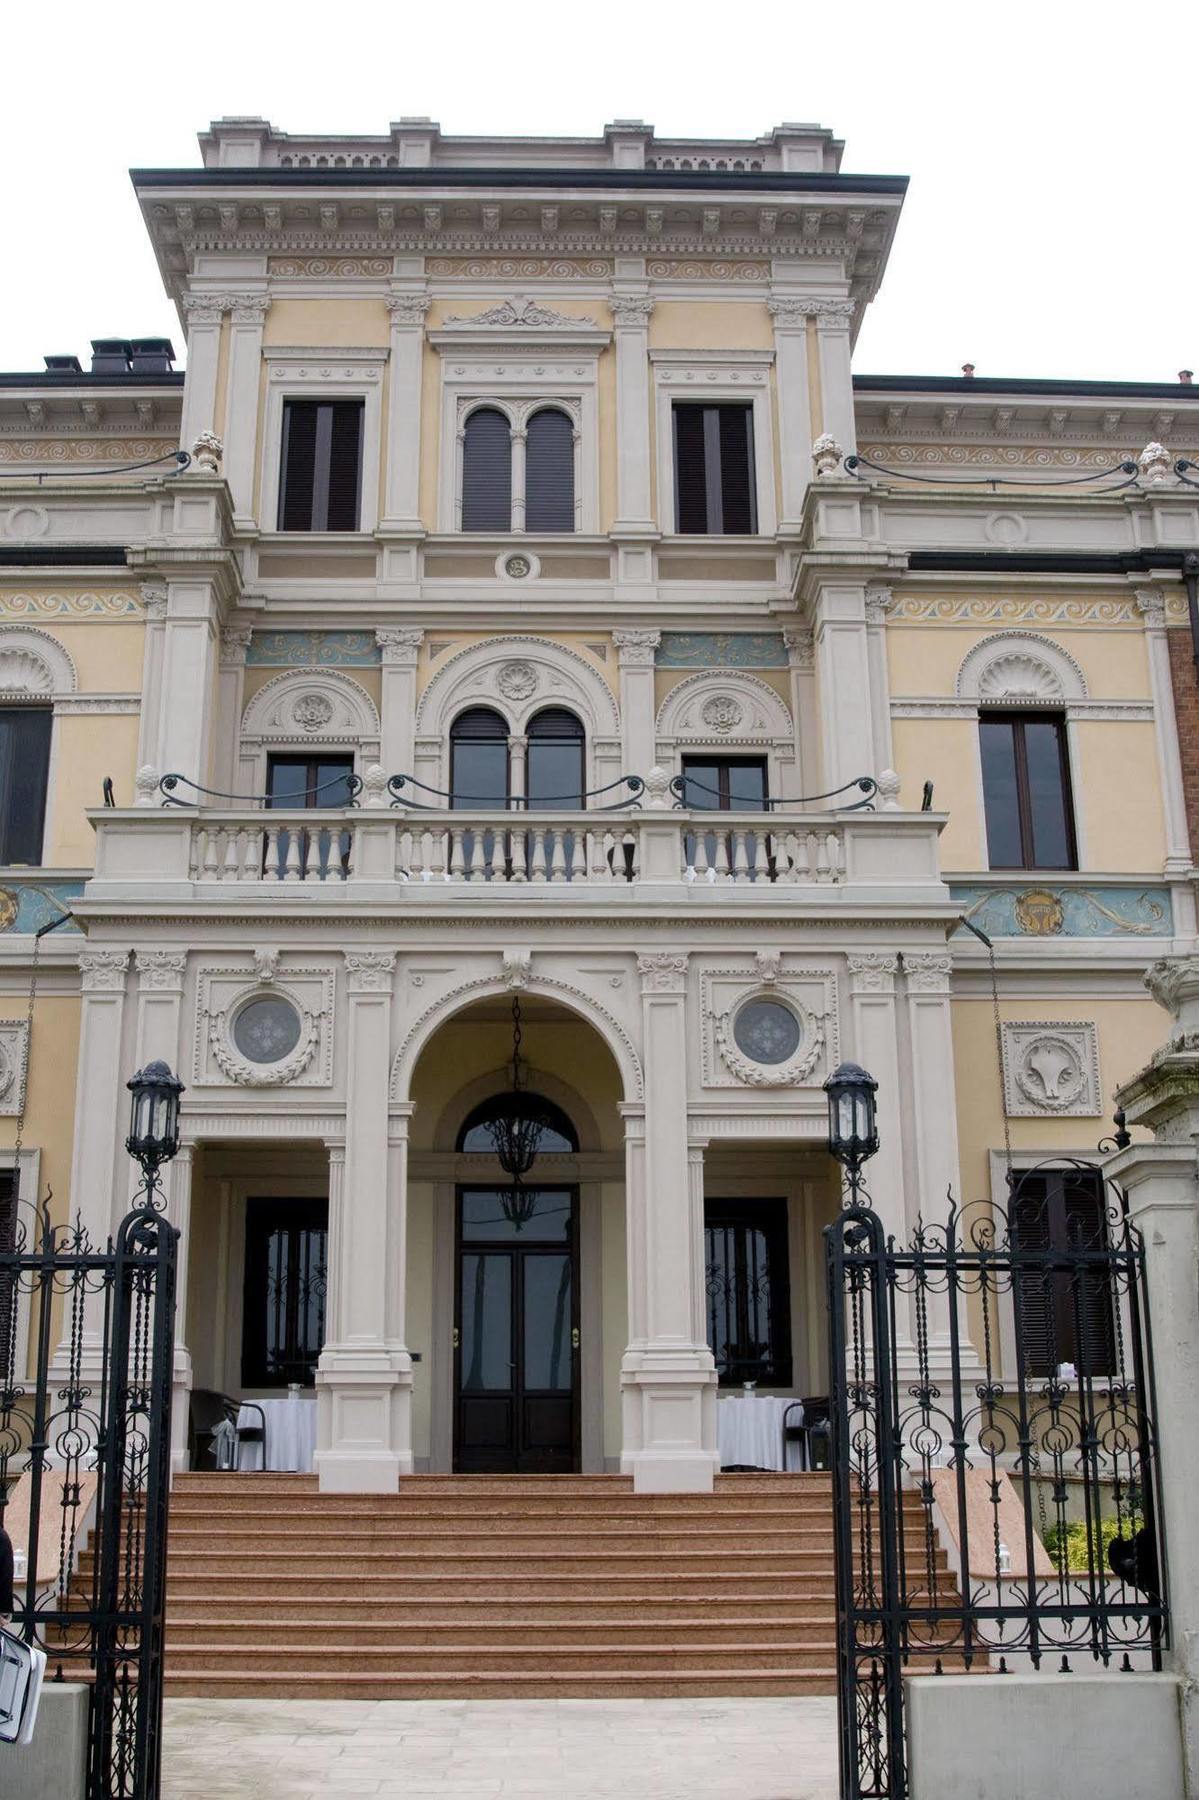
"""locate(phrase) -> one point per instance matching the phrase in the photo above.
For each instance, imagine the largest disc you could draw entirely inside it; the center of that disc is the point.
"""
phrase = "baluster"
(437, 854)
(420, 853)
(699, 856)
(578, 857)
(404, 851)
(740, 858)
(787, 857)
(341, 854)
(538, 870)
(457, 854)
(557, 853)
(210, 856)
(270, 861)
(631, 862)
(194, 852)
(291, 867)
(478, 869)
(316, 843)
(722, 857)
(231, 855)
(511, 856)
(835, 860)
(597, 853)
(822, 868)
(250, 843)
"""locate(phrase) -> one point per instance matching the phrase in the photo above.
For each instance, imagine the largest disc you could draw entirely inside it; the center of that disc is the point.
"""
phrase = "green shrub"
(1074, 1538)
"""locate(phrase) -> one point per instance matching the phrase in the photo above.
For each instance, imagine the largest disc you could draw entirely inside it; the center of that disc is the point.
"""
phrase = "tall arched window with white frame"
(550, 471)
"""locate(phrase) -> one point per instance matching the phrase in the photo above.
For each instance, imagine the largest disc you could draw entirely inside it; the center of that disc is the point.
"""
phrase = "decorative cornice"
(990, 609)
(526, 313)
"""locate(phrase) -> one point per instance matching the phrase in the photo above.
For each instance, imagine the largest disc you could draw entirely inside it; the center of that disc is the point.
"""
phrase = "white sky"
(1050, 228)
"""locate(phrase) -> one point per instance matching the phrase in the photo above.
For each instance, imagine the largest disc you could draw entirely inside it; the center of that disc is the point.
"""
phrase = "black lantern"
(517, 1127)
(153, 1117)
(852, 1125)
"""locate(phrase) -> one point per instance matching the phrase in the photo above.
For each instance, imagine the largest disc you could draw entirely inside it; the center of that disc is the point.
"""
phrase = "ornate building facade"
(535, 517)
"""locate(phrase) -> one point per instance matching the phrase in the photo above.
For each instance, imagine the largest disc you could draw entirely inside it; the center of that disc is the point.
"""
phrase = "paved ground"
(501, 1750)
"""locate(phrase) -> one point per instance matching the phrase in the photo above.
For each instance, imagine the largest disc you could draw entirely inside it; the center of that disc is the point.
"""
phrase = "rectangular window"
(725, 783)
(1026, 791)
(24, 772)
(714, 469)
(321, 470)
(295, 783)
(283, 1321)
(1064, 1309)
(748, 1291)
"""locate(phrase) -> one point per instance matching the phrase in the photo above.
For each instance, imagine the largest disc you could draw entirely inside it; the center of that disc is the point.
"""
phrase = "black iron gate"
(995, 1465)
(86, 1347)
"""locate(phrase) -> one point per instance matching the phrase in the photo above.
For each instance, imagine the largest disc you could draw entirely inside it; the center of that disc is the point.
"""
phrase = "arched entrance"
(519, 1291)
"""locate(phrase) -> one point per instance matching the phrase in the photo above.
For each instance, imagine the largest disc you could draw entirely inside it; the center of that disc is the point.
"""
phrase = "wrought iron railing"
(615, 796)
(995, 1461)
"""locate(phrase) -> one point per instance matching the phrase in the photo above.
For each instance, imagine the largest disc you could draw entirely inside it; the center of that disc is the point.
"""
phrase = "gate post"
(1161, 1180)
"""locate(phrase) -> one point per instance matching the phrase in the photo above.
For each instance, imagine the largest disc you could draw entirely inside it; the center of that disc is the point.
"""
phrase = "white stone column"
(875, 1024)
(186, 706)
(178, 1183)
(154, 599)
(400, 649)
(796, 427)
(848, 745)
(204, 313)
(638, 713)
(160, 977)
(833, 321)
(396, 1306)
(518, 752)
(360, 1374)
(932, 1137)
(241, 402)
(634, 509)
(1152, 605)
(231, 685)
(334, 1248)
(667, 1374)
(519, 440)
(1161, 1180)
(401, 493)
(801, 667)
(879, 601)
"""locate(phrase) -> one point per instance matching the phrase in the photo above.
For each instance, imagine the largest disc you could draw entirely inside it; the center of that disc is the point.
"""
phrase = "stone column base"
(364, 1422)
(181, 1387)
(668, 1405)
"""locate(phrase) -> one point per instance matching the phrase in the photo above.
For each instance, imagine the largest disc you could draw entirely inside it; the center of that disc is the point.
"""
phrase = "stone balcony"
(149, 858)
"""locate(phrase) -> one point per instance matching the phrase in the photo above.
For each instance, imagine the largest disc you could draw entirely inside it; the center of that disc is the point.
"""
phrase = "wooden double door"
(516, 1332)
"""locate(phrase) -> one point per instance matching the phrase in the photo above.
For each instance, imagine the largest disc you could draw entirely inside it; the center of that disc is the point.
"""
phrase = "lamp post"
(852, 1123)
(153, 1126)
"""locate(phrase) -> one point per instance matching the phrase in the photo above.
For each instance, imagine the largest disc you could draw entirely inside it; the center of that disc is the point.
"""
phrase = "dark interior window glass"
(283, 1321)
(550, 472)
(1065, 1312)
(24, 772)
(1026, 791)
(725, 783)
(554, 770)
(487, 472)
(476, 1132)
(305, 781)
(748, 1291)
(714, 469)
(322, 465)
(479, 759)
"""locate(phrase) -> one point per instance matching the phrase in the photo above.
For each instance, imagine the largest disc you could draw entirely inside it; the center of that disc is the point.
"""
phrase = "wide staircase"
(499, 1587)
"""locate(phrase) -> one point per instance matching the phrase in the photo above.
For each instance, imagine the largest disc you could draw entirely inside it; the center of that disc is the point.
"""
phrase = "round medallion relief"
(517, 680)
(767, 1031)
(312, 711)
(267, 1029)
(518, 567)
(722, 712)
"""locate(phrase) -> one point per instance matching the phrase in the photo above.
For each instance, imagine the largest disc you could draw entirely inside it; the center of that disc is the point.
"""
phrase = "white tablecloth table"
(749, 1429)
(290, 1443)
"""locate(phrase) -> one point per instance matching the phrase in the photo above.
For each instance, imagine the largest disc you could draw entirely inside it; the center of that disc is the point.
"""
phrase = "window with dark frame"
(714, 483)
(550, 471)
(479, 759)
(487, 471)
(725, 783)
(283, 1317)
(1026, 790)
(8, 1280)
(298, 783)
(24, 777)
(554, 759)
(320, 480)
(1065, 1312)
(748, 1291)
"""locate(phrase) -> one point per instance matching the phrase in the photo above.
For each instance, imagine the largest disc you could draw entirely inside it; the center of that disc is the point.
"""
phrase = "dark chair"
(812, 1432)
(252, 1434)
(209, 1410)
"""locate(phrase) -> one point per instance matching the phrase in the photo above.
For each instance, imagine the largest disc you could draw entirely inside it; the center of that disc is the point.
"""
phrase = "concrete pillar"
(204, 313)
(667, 1372)
(796, 429)
(875, 1023)
(879, 601)
(833, 321)
(518, 752)
(848, 742)
(519, 443)
(185, 712)
(401, 494)
(231, 684)
(1161, 1180)
(1152, 605)
(241, 404)
(801, 666)
(178, 1184)
(400, 648)
(360, 1374)
(154, 599)
(638, 712)
(634, 527)
(932, 1140)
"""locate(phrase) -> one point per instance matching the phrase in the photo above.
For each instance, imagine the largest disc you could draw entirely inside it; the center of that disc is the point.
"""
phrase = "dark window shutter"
(1036, 1322)
(550, 472)
(690, 483)
(737, 468)
(24, 773)
(487, 472)
(1066, 1307)
(479, 758)
(345, 465)
(322, 465)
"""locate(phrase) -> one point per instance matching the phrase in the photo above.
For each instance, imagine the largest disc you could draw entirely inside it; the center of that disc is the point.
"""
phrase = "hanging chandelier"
(517, 1126)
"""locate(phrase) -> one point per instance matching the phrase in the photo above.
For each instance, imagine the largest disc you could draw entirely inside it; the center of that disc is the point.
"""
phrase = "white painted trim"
(357, 729)
(696, 375)
(318, 373)
(519, 385)
(775, 738)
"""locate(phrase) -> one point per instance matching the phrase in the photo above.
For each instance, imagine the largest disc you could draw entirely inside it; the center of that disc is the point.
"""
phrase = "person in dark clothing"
(7, 1605)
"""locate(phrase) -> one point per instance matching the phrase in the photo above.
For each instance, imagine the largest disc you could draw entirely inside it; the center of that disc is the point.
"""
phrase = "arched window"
(479, 759)
(487, 472)
(554, 771)
(550, 471)
(476, 1133)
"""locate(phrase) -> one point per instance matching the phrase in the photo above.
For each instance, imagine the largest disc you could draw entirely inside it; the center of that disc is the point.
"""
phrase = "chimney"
(151, 356)
(1186, 376)
(110, 356)
(968, 371)
(63, 365)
